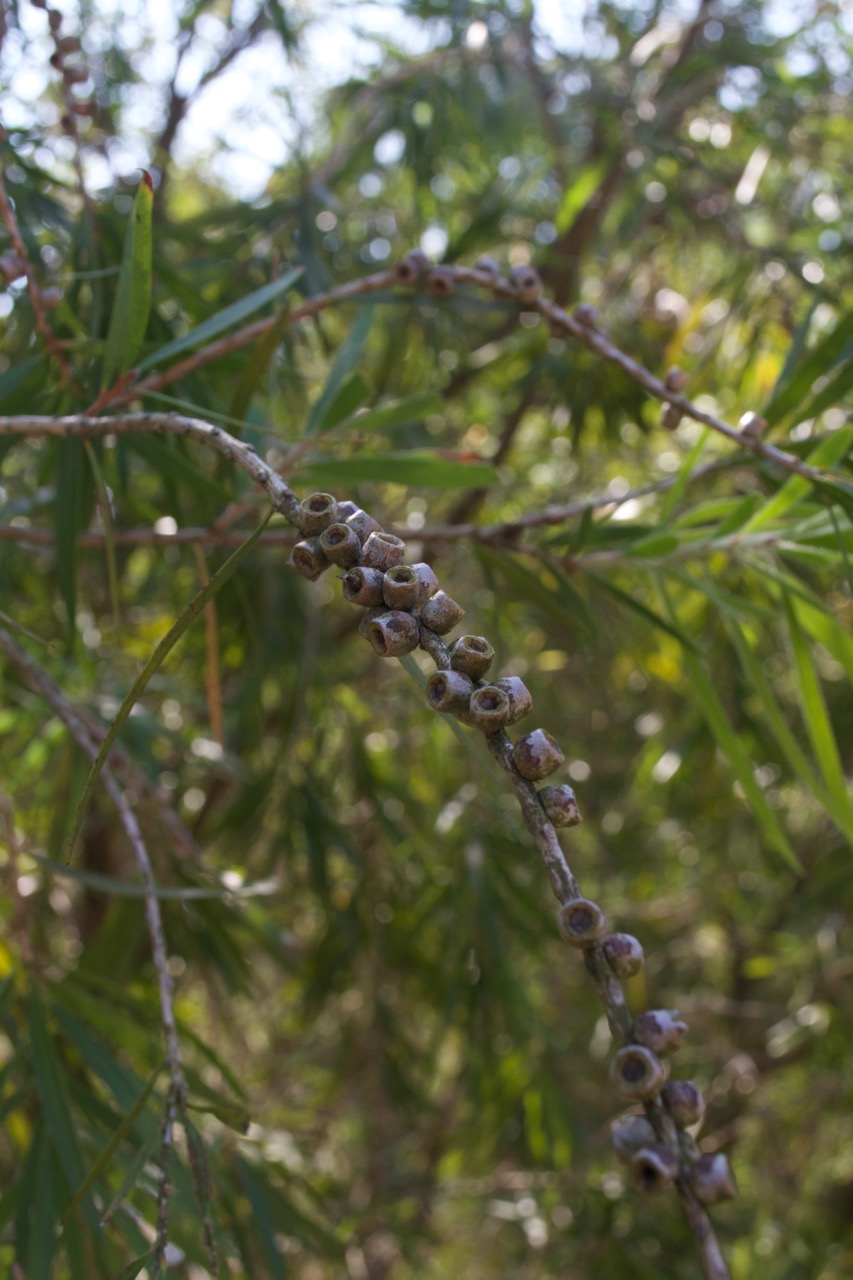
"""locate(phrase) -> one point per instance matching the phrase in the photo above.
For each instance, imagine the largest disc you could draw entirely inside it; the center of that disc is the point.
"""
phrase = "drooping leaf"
(129, 318)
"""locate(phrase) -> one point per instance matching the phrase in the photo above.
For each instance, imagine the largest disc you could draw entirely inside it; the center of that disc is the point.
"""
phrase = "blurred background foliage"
(395, 1067)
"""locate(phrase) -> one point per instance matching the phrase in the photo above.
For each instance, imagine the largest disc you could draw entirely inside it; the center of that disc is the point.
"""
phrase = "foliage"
(392, 1066)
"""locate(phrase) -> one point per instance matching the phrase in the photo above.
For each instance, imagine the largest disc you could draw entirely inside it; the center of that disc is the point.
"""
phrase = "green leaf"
(685, 474)
(132, 304)
(826, 454)
(822, 358)
(158, 657)
(345, 362)
(71, 514)
(351, 394)
(427, 470)
(132, 1270)
(816, 716)
(625, 598)
(224, 320)
(399, 414)
(118, 888)
(50, 1086)
(576, 196)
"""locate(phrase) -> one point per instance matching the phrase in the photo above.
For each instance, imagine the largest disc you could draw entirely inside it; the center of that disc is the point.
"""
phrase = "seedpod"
(581, 922)
(488, 709)
(660, 1030)
(317, 512)
(394, 633)
(427, 581)
(623, 953)
(520, 698)
(383, 550)
(537, 755)
(637, 1072)
(441, 614)
(471, 655)
(653, 1168)
(308, 558)
(712, 1179)
(341, 544)
(684, 1102)
(411, 267)
(449, 691)
(401, 587)
(629, 1134)
(526, 283)
(441, 281)
(363, 586)
(560, 805)
(363, 524)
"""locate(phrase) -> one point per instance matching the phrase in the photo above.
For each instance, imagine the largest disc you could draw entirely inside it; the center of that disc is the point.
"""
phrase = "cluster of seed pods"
(403, 608)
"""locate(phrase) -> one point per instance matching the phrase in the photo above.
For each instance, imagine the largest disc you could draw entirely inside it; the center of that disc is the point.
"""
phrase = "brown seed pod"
(670, 417)
(520, 698)
(653, 1168)
(660, 1030)
(400, 587)
(629, 1134)
(526, 283)
(623, 953)
(490, 265)
(637, 1072)
(472, 655)
(411, 267)
(308, 558)
(363, 586)
(441, 614)
(537, 755)
(560, 805)
(394, 634)
(383, 551)
(587, 314)
(712, 1179)
(341, 544)
(441, 281)
(427, 581)
(581, 922)
(488, 709)
(363, 524)
(684, 1102)
(316, 513)
(449, 691)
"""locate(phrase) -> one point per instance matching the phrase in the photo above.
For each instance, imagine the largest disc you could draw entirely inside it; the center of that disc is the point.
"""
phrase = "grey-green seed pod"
(316, 513)
(560, 805)
(363, 524)
(472, 655)
(526, 283)
(347, 508)
(684, 1103)
(488, 709)
(653, 1168)
(441, 281)
(581, 922)
(537, 755)
(427, 581)
(637, 1073)
(629, 1134)
(308, 558)
(490, 265)
(587, 314)
(363, 586)
(383, 550)
(520, 698)
(441, 614)
(341, 544)
(623, 953)
(712, 1179)
(411, 267)
(660, 1030)
(394, 634)
(400, 587)
(449, 691)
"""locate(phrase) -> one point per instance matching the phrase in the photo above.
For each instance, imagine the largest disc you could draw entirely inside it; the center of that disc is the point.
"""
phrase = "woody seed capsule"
(316, 513)
(660, 1030)
(653, 1168)
(363, 524)
(427, 581)
(441, 281)
(684, 1102)
(400, 587)
(581, 922)
(520, 698)
(537, 755)
(449, 691)
(713, 1179)
(489, 265)
(341, 544)
(441, 614)
(363, 586)
(623, 953)
(488, 709)
(637, 1072)
(411, 267)
(526, 283)
(308, 558)
(628, 1134)
(472, 655)
(368, 618)
(394, 634)
(560, 805)
(383, 550)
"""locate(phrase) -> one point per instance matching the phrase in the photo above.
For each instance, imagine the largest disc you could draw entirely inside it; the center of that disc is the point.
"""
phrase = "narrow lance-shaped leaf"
(156, 660)
(132, 304)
